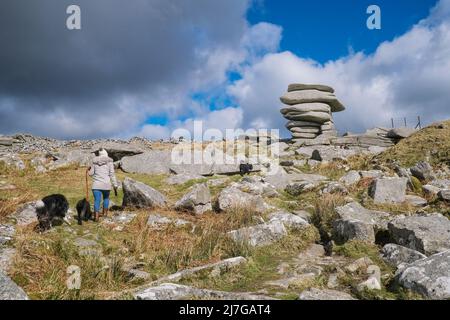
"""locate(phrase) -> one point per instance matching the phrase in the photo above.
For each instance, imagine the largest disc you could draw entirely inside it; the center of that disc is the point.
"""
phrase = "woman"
(102, 173)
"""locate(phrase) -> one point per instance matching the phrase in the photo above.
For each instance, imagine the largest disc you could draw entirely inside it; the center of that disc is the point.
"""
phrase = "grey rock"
(140, 195)
(415, 200)
(428, 234)
(7, 233)
(360, 264)
(214, 269)
(26, 214)
(371, 174)
(88, 247)
(305, 215)
(374, 280)
(117, 150)
(308, 96)
(334, 188)
(306, 107)
(9, 290)
(289, 220)
(395, 255)
(429, 277)
(351, 178)
(260, 235)
(388, 190)
(170, 291)
(136, 274)
(150, 162)
(444, 195)
(313, 116)
(297, 188)
(232, 197)
(324, 294)
(6, 258)
(281, 181)
(120, 218)
(356, 222)
(70, 157)
(430, 190)
(300, 86)
(197, 200)
(423, 171)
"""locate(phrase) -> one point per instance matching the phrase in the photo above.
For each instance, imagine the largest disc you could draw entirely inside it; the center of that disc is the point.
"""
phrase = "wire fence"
(413, 122)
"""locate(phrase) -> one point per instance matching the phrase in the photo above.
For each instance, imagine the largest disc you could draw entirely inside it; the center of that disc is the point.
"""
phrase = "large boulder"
(356, 222)
(429, 277)
(140, 195)
(428, 234)
(69, 157)
(171, 291)
(261, 234)
(444, 195)
(9, 290)
(301, 86)
(7, 233)
(422, 171)
(351, 178)
(151, 162)
(395, 255)
(117, 150)
(289, 220)
(232, 197)
(197, 200)
(388, 190)
(311, 96)
(26, 214)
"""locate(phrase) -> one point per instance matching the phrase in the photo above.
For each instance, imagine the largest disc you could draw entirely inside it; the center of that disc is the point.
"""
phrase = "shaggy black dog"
(245, 168)
(84, 211)
(51, 211)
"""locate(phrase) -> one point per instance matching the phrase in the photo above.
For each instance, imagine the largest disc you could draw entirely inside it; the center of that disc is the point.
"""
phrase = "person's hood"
(101, 160)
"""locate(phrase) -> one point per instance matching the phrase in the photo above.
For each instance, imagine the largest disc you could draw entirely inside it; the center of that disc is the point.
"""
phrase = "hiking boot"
(105, 212)
(96, 216)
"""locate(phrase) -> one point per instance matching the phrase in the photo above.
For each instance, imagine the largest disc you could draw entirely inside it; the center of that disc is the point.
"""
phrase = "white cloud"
(406, 77)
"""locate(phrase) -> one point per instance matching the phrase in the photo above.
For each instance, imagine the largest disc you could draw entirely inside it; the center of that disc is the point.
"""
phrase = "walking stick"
(87, 185)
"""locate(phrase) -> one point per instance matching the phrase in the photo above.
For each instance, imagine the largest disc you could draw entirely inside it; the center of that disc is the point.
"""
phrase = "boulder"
(71, 157)
(289, 220)
(117, 150)
(334, 188)
(26, 214)
(422, 171)
(232, 197)
(9, 290)
(444, 195)
(13, 161)
(416, 201)
(324, 294)
(170, 291)
(158, 221)
(294, 124)
(300, 86)
(312, 96)
(395, 255)
(150, 162)
(306, 107)
(140, 195)
(260, 235)
(428, 234)
(312, 116)
(356, 222)
(388, 190)
(374, 280)
(429, 277)
(197, 200)
(7, 233)
(351, 178)
(6, 258)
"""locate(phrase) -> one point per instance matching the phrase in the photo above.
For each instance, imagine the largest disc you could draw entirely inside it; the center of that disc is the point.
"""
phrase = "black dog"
(51, 211)
(84, 211)
(245, 168)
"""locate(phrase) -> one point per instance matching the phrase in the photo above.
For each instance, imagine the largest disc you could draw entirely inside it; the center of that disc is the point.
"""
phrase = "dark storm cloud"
(128, 53)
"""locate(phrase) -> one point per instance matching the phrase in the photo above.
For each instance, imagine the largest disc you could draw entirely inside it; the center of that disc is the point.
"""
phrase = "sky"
(149, 67)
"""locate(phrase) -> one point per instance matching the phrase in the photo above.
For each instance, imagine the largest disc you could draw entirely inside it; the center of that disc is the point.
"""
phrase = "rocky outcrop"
(429, 277)
(388, 190)
(356, 222)
(139, 195)
(9, 290)
(261, 234)
(197, 200)
(396, 255)
(117, 150)
(232, 197)
(428, 234)
(150, 162)
(309, 111)
(170, 291)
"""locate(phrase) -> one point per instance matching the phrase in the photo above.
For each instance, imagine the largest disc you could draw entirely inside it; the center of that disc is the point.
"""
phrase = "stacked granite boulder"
(309, 111)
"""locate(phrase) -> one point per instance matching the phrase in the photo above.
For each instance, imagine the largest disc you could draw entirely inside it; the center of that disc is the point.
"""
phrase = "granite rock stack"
(309, 110)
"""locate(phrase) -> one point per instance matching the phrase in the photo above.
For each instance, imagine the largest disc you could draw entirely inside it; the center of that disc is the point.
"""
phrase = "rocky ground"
(339, 222)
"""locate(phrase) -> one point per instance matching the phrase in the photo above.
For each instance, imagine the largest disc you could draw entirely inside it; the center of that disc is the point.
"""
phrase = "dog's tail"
(39, 204)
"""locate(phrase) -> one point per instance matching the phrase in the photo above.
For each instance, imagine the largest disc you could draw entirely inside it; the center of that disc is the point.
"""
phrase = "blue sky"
(149, 67)
(326, 29)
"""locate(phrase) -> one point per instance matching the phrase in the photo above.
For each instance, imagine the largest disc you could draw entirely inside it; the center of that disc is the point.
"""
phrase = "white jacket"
(102, 173)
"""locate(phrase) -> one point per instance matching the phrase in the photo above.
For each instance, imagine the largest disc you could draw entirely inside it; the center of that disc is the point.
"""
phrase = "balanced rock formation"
(309, 111)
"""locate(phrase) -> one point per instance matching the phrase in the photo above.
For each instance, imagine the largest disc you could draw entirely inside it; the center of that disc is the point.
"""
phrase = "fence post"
(392, 123)
(405, 122)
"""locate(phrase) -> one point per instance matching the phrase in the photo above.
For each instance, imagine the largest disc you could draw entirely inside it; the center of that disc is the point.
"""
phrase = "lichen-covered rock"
(261, 234)
(324, 294)
(422, 171)
(289, 220)
(351, 178)
(197, 200)
(428, 234)
(429, 277)
(232, 197)
(388, 190)
(395, 255)
(140, 195)
(9, 290)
